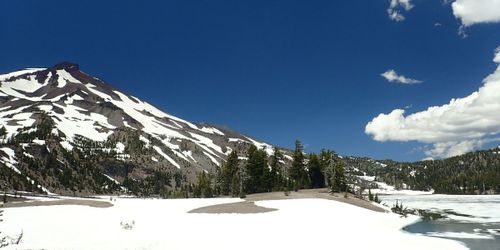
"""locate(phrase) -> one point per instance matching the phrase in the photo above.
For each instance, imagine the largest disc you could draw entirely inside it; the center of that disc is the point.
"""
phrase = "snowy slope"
(82, 105)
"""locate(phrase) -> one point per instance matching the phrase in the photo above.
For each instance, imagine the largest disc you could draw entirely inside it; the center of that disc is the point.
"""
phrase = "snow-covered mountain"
(80, 109)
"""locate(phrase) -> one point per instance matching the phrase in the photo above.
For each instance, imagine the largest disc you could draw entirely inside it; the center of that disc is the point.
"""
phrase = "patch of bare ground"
(248, 206)
(58, 202)
(244, 207)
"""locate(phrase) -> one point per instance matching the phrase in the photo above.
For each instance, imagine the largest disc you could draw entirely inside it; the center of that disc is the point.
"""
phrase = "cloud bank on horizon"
(462, 125)
(392, 76)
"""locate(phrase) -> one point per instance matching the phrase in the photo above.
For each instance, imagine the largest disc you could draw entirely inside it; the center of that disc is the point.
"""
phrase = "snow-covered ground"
(165, 224)
(472, 219)
(479, 208)
(384, 188)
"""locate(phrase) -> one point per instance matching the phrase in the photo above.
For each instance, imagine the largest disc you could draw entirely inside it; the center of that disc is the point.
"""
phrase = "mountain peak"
(68, 66)
(81, 111)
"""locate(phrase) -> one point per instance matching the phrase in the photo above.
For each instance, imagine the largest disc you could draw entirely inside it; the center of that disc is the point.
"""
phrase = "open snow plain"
(166, 224)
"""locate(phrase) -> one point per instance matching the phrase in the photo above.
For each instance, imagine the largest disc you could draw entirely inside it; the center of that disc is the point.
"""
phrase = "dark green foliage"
(134, 144)
(338, 181)
(277, 173)
(132, 186)
(3, 132)
(203, 186)
(254, 176)
(158, 184)
(316, 170)
(334, 171)
(370, 195)
(228, 174)
(42, 130)
(82, 170)
(11, 180)
(398, 208)
(44, 126)
(297, 172)
(471, 173)
(429, 215)
(257, 172)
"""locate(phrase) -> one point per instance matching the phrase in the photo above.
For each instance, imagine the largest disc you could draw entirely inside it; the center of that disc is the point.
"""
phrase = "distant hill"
(472, 173)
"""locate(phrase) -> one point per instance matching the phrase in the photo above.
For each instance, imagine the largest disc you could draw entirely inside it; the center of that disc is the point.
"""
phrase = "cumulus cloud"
(396, 7)
(472, 12)
(462, 125)
(392, 76)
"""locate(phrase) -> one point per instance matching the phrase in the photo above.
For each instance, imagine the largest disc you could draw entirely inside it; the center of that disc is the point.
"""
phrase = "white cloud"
(462, 125)
(472, 12)
(392, 76)
(497, 55)
(449, 149)
(396, 7)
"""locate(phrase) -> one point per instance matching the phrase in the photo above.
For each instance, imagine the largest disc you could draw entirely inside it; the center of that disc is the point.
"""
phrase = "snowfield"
(166, 224)
(476, 208)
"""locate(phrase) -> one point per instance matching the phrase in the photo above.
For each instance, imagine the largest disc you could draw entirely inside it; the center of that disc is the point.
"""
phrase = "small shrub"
(127, 225)
(398, 208)
(7, 240)
(243, 195)
(429, 215)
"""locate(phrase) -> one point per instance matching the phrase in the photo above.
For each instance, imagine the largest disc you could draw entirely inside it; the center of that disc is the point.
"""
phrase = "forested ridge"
(472, 173)
(257, 172)
(84, 169)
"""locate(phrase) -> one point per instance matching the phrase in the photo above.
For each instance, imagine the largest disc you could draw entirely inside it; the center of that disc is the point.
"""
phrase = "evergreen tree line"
(258, 172)
(472, 173)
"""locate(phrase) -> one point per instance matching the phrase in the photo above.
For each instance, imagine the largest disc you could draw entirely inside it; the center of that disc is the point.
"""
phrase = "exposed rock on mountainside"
(69, 132)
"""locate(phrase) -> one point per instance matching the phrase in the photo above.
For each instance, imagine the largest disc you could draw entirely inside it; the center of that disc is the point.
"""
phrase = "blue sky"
(275, 70)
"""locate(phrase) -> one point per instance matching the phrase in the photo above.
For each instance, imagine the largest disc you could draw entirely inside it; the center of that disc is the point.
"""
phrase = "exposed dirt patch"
(13, 198)
(244, 207)
(36, 203)
(248, 206)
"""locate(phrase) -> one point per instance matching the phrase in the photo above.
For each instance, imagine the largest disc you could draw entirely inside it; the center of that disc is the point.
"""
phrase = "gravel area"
(81, 202)
(248, 206)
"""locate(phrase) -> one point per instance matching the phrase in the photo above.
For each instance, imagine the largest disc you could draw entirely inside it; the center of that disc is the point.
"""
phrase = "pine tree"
(297, 171)
(277, 181)
(336, 175)
(325, 160)
(316, 172)
(256, 168)
(3, 132)
(203, 187)
(237, 183)
(228, 173)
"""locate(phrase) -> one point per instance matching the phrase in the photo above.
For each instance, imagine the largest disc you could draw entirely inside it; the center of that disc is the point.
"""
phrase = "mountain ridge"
(67, 132)
(76, 105)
